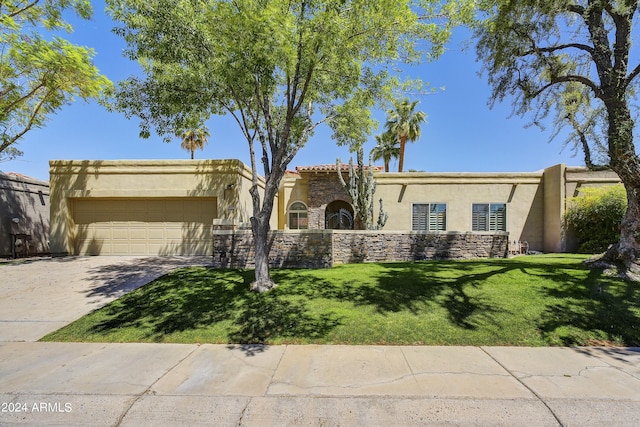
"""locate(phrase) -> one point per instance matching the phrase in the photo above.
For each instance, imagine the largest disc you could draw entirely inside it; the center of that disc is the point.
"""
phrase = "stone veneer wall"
(324, 248)
(324, 188)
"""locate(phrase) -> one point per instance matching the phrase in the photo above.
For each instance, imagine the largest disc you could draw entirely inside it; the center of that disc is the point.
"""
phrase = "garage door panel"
(156, 233)
(122, 233)
(144, 226)
(137, 233)
(172, 233)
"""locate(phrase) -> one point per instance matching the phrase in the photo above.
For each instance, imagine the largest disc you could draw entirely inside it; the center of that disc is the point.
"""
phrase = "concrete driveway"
(39, 296)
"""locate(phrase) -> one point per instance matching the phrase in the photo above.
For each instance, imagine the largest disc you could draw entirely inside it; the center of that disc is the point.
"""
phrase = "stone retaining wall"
(324, 248)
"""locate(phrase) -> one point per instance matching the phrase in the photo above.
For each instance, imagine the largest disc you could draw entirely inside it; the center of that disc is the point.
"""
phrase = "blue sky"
(462, 133)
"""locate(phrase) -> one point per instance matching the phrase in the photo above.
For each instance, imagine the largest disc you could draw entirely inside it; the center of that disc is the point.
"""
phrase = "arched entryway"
(338, 216)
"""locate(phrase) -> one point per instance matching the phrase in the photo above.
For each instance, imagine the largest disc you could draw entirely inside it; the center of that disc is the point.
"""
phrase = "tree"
(386, 149)
(361, 188)
(280, 68)
(39, 71)
(404, 124)
(540, 50)
(193, 139)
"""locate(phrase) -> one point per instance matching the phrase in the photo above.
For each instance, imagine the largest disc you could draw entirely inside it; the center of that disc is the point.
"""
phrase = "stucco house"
(527, 205)
(24, 215)
(145, 207)
(183, 207)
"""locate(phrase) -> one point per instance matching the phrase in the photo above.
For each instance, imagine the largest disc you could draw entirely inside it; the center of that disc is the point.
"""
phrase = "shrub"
(595, 217)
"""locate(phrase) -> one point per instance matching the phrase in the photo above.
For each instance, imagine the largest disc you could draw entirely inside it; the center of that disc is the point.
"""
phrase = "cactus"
(361, 188)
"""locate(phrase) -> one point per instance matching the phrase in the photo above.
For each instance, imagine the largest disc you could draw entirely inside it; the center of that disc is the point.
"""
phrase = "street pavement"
(47, 383)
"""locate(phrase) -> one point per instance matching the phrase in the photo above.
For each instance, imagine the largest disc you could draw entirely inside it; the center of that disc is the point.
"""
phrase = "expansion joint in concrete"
(148, 390)
(532, 391)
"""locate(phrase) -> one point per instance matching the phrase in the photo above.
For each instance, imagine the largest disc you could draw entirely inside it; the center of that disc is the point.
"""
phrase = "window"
(489, 217)
(429, 217)
(298, 216)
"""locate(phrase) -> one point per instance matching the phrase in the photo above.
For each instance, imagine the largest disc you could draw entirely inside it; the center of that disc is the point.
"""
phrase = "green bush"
(595, 217)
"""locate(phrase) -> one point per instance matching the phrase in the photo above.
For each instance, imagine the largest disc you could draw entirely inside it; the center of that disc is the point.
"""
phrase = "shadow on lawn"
(589, 306)
(606, 308)
(409, 286)
(192, 299)
(200, 298)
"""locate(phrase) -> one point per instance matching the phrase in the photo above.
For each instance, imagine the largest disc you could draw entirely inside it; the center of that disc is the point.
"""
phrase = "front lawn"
(524, 301)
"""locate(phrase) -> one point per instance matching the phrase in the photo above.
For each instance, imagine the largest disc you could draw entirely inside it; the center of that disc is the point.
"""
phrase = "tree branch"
(567, 79)
(552, 49)
(632, 75)
(24, 9)
(32, 119)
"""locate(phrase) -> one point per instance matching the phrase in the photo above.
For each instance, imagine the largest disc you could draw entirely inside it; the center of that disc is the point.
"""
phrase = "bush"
(595, 217)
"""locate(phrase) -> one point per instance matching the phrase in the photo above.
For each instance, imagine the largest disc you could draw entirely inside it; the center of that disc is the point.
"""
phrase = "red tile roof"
(330, 168)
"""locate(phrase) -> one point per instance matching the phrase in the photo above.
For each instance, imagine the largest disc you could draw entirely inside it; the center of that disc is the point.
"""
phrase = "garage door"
(167, 226)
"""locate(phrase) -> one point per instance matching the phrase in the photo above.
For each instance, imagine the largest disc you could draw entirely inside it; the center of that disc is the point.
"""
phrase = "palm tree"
(193, 139)
(404, 124)
(386, 149)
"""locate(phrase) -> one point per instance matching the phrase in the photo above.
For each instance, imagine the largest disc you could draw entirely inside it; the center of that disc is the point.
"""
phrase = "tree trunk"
(263, 281)
(261, 227)
(386, 165)
(403, 142)
(625, 162)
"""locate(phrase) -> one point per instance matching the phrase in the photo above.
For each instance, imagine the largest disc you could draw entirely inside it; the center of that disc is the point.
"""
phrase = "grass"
(525, 301)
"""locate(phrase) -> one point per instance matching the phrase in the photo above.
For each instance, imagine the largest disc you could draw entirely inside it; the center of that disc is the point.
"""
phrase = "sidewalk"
(174, 384)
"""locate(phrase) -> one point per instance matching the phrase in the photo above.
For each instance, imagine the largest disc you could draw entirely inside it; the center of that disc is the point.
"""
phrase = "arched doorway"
(338, 216)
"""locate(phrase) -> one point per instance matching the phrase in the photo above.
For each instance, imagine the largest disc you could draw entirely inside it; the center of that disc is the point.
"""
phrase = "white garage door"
(154, 226)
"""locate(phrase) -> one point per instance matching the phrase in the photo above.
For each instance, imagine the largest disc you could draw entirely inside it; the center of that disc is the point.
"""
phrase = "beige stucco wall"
(554, 205)
(293, 189)
(520, 191)
(226, 180)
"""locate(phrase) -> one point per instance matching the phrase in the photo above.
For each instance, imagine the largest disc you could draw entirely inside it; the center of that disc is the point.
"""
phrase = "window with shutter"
(498, 217)
(438, 217)
(429, 217)
(419, 219)
(480, 217)
(489, 217)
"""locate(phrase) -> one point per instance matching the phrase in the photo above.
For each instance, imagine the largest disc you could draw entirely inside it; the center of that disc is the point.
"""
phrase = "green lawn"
(524, 301)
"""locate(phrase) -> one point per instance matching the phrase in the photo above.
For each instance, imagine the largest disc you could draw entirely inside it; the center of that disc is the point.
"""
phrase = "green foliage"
(524, 301)
(39, 71)
(194, 138)
(403, 124)
(385, 149)
(280, 68)
(595, 217)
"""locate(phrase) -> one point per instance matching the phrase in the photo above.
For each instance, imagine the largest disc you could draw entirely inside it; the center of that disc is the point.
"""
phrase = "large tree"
(280, 68)
(553, 56)
(39, 71)
(403, 122)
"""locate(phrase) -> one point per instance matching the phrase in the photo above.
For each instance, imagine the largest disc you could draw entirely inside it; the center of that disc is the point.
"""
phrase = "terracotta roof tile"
(330, 168)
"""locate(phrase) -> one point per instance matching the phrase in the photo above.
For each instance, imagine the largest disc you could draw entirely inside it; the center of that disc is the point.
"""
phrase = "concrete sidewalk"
(174, 384)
